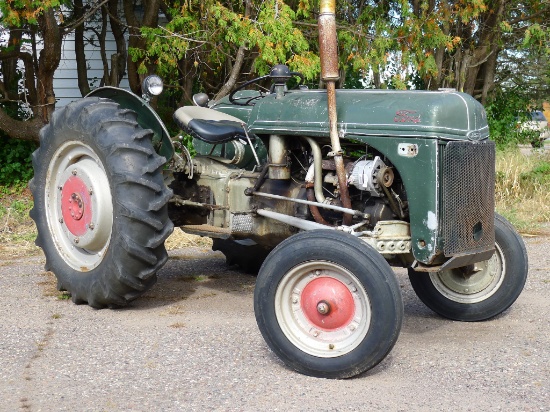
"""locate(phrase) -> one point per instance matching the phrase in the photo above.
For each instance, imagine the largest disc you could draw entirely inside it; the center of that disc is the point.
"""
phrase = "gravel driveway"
(191, 344)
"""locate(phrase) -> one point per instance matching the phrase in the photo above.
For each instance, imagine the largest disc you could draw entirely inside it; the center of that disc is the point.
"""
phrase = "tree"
(209, 45)
(27, 96)
(31, 18)
(213, 45)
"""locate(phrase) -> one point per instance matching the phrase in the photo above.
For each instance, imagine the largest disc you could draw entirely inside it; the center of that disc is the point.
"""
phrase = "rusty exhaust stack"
(328, 48)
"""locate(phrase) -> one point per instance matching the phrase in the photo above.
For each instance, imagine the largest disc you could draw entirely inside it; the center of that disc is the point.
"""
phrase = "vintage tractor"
(321, 198)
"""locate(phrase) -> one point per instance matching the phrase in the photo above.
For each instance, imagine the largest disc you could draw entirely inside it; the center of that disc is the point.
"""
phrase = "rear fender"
(147, 118)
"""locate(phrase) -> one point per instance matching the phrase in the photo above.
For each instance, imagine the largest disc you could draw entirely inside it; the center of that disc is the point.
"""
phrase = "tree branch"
(19, 129)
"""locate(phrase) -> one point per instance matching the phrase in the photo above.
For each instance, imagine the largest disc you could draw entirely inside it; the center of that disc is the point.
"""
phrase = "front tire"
(493, 286)
(100, 203)
(328, 304)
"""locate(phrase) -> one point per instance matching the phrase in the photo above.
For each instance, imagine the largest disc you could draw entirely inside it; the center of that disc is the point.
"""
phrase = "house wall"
(66, 78)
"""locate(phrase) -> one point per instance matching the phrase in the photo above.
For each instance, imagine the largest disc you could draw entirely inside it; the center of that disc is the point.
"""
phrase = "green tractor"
(319, 190)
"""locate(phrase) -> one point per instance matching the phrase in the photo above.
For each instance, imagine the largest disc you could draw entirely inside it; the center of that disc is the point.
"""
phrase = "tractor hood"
(443, 114)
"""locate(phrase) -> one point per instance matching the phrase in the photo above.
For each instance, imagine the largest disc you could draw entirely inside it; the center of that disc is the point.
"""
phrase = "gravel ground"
(191, 344)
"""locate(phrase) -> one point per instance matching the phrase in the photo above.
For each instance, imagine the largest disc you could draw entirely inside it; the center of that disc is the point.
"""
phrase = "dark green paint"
(383, 120)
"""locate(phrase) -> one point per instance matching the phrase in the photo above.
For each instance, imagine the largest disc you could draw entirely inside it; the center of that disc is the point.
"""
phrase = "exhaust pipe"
(328, 47)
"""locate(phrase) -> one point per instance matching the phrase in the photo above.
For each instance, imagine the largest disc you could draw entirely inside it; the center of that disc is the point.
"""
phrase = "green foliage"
(209, 33)
(16, 164)
(504, 113)
(539, 174)
(19, 12)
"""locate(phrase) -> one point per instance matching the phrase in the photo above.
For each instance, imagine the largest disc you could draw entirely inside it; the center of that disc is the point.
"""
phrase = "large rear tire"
(328, 304)
(100, 203)
(246, 254)
(480, 292)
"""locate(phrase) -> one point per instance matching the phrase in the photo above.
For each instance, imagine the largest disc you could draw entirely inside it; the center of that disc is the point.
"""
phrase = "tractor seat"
(209, 125)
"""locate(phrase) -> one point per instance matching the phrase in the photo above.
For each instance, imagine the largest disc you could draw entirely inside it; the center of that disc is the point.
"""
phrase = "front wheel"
(480, 291)
(328, 304)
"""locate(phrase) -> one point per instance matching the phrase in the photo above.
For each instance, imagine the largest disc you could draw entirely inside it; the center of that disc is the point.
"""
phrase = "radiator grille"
(468, 188)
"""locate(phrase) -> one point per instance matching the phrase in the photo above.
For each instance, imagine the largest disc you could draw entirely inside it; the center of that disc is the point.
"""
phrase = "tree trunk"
(234, 75)
(81, 65)
(118, 33)
(19, 129)
(150, 18)
(48, 62)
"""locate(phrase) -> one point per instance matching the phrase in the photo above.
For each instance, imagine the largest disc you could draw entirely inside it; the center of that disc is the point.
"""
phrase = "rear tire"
(100, 203)
(484, 294)
(248, 256)
(328, 304)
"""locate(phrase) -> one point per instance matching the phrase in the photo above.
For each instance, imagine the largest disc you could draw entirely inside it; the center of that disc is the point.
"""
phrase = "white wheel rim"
(349, 317)
(81, 231)
(474, 288)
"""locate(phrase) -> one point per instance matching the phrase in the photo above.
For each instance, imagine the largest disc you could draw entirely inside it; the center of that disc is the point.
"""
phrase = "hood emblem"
(406, 116)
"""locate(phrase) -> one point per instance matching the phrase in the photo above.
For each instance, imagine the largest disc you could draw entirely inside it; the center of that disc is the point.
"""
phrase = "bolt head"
(323, 308)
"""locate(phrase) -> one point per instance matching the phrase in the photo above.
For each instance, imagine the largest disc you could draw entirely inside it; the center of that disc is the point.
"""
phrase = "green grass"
(17, 230)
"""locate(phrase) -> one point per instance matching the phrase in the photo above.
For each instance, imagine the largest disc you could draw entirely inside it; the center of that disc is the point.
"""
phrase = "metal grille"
(468, 197)
(241, 223)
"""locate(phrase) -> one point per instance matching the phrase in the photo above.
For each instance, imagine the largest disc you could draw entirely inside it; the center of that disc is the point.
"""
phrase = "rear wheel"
(480, 291)
(246, 254)
(328, 304)
(100, 203)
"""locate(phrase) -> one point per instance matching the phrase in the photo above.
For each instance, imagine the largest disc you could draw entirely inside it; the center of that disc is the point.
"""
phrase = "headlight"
(152, 85)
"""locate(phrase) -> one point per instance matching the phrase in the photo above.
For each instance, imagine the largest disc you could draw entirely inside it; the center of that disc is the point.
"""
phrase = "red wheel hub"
(327, 303)
(76, 206)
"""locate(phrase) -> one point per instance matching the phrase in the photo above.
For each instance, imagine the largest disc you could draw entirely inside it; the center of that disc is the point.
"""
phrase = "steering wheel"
(279, 73)
(248, 99)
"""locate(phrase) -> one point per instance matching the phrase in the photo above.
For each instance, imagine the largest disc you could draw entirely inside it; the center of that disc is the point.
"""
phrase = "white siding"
(66, 79)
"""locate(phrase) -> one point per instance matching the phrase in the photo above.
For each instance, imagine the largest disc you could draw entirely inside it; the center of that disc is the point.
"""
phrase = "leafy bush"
(15, 161)
(505, 111)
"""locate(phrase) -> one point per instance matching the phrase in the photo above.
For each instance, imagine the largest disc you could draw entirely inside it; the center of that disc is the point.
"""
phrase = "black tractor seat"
(210, 125)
